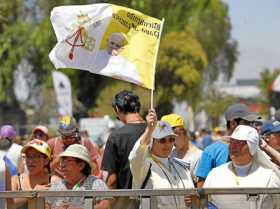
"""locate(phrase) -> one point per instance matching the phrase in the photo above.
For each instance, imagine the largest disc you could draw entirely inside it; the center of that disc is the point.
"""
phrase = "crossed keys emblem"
(80, 36)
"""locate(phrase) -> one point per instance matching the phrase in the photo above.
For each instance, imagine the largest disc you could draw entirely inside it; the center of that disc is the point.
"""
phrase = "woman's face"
(40, 135)
(35, 161)
(71, 167)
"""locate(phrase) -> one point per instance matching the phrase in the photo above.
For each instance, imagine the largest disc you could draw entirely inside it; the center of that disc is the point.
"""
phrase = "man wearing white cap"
(248, 168)
(153, 168)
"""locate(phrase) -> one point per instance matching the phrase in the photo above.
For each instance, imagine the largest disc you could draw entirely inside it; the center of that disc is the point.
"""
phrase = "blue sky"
(256, 27)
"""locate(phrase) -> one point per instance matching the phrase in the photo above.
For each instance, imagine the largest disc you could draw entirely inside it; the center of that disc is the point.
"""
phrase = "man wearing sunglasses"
(69, 134)
(184, 149)
(152, 166)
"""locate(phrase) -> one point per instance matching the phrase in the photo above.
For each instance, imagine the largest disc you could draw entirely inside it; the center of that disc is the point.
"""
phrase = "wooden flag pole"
(155, 63)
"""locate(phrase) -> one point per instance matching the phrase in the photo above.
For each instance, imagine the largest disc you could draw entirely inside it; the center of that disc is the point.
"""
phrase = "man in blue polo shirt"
(217, 153)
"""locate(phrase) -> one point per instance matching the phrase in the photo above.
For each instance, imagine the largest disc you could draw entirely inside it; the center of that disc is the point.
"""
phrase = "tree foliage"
(266, 97)
(181, 64)
(216, 104)
(196, 40)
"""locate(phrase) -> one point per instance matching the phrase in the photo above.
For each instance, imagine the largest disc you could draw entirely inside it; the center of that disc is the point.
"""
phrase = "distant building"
(243, 88)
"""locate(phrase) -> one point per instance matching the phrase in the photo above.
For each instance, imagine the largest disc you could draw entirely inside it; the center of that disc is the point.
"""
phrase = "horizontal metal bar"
(8, 194)
(139, 192)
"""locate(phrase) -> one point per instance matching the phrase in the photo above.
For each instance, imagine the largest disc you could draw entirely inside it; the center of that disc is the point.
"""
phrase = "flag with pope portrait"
(107, 39)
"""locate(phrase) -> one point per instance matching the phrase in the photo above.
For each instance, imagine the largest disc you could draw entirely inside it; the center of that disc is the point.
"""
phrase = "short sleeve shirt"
(90, 183)
(57, 147)
(118, 147)
(213, 156)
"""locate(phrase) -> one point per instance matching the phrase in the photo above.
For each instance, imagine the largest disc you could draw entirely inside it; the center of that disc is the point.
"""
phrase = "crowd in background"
(145, 153)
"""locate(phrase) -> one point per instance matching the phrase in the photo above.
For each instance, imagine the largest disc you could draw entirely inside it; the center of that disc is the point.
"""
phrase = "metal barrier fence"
(202, 194)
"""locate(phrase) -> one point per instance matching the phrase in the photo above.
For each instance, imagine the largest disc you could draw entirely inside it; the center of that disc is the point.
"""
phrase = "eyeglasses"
(164, 140)
(33, 157)
(66, 161)
(238, 142)
(72, 137)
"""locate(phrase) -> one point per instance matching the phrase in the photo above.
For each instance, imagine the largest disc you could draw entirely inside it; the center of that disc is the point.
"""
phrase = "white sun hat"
(78, 151)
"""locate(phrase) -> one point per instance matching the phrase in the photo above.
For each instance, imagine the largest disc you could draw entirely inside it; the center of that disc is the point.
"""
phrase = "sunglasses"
(69, 137)
(164, 140)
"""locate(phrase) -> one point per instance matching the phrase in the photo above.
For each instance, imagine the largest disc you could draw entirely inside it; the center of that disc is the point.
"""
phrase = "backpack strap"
(147, 177)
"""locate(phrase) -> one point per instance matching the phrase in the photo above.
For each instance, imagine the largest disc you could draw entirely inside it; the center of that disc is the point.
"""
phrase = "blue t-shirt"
(206, 140)
(213, 156)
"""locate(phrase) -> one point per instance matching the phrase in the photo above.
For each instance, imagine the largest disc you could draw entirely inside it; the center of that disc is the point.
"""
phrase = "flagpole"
(155, 62)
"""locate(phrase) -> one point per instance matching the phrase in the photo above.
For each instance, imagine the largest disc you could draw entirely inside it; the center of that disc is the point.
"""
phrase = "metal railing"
(202, 194)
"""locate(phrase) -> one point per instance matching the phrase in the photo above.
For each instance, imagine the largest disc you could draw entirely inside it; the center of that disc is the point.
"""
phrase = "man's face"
(70, 139)
(238, 151)
(181, 139)
(40, 135)
(274, 141)
(115, 45)
(162, 147)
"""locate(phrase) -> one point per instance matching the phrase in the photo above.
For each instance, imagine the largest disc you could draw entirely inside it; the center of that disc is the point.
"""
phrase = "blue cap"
(270, 126)
(266, 127)
(276, 127)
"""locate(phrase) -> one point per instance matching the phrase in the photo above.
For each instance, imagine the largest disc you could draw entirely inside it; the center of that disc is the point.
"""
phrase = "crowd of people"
(145, 153)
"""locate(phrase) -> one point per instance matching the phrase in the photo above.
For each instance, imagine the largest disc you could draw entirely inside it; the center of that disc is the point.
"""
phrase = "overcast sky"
(256, 27)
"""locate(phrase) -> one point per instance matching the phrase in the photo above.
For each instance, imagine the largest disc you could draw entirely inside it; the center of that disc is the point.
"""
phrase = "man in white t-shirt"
(109, 62)
(249, 168)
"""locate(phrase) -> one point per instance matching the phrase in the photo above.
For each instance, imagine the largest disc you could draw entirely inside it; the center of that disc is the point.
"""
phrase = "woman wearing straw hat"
(36, 176)
(76, 166)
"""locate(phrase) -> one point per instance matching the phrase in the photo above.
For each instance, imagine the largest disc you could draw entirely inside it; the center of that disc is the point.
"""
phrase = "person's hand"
(263, 144)
(151, 119)
(41, 187)
(188, 200)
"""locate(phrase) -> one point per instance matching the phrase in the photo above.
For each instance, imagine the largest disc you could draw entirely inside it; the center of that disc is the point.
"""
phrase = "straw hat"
(78, 151)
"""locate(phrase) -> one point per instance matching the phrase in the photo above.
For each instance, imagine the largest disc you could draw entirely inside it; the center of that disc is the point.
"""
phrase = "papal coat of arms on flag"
(106, 39)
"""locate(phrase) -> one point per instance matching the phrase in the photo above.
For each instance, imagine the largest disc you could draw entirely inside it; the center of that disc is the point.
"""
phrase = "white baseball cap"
(162, 130)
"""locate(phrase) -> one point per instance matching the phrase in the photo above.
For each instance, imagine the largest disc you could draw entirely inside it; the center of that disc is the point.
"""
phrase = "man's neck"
(133, 118)
(242, 162)
(182, 151)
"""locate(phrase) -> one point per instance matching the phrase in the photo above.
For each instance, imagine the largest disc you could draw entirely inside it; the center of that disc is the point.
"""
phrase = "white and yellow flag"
(107, 39)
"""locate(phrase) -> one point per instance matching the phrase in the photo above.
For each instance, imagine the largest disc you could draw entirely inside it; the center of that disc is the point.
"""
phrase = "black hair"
(126, 102)
(237, 120)
(87, 169)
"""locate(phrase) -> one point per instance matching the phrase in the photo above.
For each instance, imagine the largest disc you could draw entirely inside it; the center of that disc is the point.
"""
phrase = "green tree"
(181, 64)
(215, 104)
(265, 85)
(212, 27)
(196, 34)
